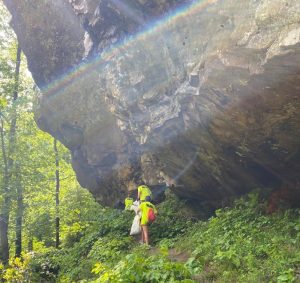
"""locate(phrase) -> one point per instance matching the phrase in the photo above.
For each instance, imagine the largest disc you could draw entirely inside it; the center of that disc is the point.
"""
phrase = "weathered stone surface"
(207, 99)
(50, 35)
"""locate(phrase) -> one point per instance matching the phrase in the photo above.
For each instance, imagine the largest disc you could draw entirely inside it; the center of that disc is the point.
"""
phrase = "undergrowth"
(239, 244)
(242, 244)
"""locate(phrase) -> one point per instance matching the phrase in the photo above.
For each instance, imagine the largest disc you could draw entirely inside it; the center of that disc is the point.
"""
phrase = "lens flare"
(99, 62)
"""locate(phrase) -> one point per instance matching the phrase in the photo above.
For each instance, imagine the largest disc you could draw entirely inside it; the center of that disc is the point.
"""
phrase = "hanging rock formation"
(202, 94)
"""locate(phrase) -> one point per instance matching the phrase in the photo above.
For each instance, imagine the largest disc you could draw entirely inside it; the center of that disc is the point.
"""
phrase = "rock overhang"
(207, 101)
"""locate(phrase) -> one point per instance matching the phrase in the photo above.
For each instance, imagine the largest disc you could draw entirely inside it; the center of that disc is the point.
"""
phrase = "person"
(143, 192)
(128, 202)
(143, 209)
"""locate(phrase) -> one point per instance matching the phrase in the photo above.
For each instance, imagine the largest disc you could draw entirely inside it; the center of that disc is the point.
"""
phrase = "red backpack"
(151, 214)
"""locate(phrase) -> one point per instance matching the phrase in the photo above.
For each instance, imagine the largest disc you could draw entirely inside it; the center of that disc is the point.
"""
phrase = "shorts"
(144, 221)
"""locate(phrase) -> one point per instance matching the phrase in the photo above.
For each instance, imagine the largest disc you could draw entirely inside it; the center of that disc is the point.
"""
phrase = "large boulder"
(203, 95)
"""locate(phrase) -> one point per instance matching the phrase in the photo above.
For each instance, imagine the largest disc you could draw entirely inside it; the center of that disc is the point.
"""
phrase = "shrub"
(140, 267)
(173, 220)
(110, 249)
(241, 244)
(17, 270)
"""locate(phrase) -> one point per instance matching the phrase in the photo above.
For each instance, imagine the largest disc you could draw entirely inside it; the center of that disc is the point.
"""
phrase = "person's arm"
(139, 211)
(139, 194)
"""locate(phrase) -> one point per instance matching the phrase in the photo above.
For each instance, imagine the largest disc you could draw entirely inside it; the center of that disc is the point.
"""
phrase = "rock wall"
(204, 95)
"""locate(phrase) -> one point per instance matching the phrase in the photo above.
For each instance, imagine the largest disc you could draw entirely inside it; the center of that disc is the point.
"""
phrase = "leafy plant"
(109, 249)
(242, 244)
(140, 267)
(174, 218)
(17, 270)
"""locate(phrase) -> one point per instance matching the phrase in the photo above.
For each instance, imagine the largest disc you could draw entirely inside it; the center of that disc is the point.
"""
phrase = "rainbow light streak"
(99, 62)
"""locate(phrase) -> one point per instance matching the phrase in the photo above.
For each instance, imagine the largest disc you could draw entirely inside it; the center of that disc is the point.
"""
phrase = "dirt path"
(179, 256)
(174, 254)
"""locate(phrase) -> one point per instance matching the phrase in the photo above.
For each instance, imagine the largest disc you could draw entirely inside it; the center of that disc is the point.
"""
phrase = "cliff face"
(204, 95)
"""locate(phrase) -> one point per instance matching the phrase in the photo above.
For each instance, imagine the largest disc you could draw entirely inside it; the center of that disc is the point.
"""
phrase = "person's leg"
(145, 234)
(142, 235)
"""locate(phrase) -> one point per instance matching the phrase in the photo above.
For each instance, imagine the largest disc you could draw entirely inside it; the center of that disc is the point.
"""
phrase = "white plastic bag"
(135, 227)
(135, 206)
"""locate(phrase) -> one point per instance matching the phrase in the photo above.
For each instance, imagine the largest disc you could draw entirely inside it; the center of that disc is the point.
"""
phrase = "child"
(143, 192)
(128, 202)
(144, 208)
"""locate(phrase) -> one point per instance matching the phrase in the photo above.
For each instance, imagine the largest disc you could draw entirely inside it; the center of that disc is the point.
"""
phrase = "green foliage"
(71, 263)
(140, 267)
(238, 244)
(45, 267)
(17, 270)
(110, 249)
(173, 220)
(241, 244)
(105, 241)
(115, 222)
(78, 211)
(105, 238)
(287, 276)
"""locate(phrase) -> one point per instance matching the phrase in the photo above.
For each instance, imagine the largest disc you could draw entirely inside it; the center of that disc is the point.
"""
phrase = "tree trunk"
(4, 247)
(30, 245)
(19, 215)
(56, 194)
(8, 164)
(4, 215)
